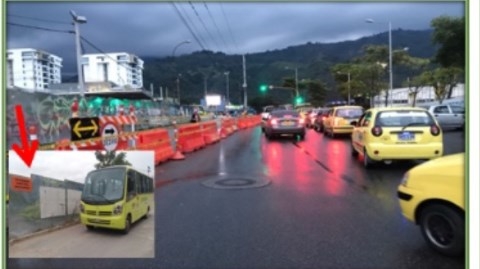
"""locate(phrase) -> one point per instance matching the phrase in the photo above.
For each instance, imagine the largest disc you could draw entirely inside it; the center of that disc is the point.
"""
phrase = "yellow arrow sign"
(77, 129)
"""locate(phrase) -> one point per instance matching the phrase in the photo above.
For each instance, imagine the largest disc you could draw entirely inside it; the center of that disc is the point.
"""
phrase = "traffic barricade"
(242, 122)
(228, 126)
(157, 140)
(189, 137)
(210, 132)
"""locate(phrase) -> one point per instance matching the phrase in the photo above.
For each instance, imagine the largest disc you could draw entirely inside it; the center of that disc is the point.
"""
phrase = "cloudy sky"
(72, 165)
(156, 28)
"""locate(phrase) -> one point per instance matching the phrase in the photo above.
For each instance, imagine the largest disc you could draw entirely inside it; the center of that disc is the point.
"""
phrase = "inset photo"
(81, 204)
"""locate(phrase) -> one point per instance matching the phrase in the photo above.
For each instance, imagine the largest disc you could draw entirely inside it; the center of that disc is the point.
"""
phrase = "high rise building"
(123, 69)
(32, 69)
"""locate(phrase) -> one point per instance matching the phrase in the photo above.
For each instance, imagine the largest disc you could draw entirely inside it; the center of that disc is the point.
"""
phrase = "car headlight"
(404, 180)
(118, 210)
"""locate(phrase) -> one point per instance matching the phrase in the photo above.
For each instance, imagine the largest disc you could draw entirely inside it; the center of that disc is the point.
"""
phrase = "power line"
(203, 24)
(216, 26)
(192, 24)
(228, 25)
(38, 19)
(40, 28)
(188, 26)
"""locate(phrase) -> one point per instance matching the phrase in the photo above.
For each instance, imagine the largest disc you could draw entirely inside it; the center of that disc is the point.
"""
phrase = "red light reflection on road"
(337, 162)
(288, 165)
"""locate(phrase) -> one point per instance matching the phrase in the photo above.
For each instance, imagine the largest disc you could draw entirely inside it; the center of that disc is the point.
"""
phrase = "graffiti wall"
(49, 114)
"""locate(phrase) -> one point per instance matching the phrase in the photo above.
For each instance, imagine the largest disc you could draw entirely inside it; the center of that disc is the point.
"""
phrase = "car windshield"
(104, 186)
(349, 113)
(402, 118)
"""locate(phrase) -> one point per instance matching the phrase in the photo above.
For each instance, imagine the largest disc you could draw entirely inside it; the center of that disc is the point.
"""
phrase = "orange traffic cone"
(178, 156)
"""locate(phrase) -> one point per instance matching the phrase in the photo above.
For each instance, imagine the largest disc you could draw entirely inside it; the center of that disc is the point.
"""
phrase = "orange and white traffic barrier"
(209, 131)
(32, 130)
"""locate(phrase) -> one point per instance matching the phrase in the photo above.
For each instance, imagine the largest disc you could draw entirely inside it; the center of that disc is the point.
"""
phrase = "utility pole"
(161, 93)
(228, 88)
(205, 86)
(178, 87)
(245, 101)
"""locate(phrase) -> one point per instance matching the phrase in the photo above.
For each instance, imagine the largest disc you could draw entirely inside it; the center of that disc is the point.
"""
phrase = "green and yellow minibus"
(115, 197)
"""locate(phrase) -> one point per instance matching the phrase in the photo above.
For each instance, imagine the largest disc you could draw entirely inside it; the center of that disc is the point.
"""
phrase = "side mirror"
(354, 123)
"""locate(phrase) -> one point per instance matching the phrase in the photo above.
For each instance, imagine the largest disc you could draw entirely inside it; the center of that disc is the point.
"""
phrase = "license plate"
(288, 123)
(406, 136)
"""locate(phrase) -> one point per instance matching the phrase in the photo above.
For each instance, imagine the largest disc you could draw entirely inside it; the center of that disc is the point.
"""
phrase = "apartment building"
(32, 68)
(123, 69)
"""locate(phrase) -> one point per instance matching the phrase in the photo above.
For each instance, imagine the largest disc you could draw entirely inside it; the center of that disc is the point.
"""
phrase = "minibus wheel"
(128, 223)
(90, 227)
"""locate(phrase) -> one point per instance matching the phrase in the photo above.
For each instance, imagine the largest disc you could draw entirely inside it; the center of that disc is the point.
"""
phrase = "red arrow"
(25, 152)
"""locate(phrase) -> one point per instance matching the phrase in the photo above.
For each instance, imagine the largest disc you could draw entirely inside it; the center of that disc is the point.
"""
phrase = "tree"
(110, 158)
(415, 86)
(449, 33)
(317, 92)
(443, 80)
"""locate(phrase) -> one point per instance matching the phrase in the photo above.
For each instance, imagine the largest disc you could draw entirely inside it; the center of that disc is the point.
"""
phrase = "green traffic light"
(263, 88)
(299, 100)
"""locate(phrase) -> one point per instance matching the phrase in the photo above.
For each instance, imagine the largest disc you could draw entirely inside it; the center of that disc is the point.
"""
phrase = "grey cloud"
(154, 28)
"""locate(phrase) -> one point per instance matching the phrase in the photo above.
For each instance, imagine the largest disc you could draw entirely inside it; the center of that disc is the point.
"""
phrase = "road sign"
(84, 128)
(20, 184)
(110, 136)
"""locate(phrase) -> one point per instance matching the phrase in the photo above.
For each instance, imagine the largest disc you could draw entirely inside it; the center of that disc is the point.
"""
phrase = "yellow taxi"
(339, 119)
(396, 133)
(432, 195)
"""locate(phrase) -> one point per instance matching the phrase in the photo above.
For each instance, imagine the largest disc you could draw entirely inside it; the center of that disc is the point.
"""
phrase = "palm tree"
(110, 158)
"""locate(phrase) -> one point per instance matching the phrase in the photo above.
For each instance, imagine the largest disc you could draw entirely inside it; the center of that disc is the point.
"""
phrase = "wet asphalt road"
(321, 209)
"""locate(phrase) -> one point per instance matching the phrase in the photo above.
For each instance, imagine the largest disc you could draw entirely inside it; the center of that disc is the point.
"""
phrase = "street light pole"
(228, 88)
(388, 100)
(178, 45)
(390, 59)
(77, 20)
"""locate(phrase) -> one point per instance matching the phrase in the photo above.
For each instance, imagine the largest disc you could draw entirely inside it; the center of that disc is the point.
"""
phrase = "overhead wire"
(216, 26)
(38, 19)
(40, 28)
(203, 24)
(192, 24)
(229, 28)
(188, 26)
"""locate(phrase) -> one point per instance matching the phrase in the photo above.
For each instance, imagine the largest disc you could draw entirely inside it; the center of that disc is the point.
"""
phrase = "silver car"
(281, 122)
(448, 116)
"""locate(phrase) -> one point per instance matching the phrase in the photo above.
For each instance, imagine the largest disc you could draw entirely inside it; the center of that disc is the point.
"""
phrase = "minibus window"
(131, 186)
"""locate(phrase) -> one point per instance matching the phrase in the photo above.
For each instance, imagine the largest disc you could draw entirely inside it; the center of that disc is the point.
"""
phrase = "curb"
(49, 230)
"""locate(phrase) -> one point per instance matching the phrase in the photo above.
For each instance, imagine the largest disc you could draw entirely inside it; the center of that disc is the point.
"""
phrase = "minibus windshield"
(104, 186)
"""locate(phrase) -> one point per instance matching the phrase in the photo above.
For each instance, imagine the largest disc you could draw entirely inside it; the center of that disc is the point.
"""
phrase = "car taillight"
(377, 131)
(274, 121)
(434, 130)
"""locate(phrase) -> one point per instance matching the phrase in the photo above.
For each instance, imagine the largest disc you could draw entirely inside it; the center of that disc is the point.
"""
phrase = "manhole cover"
(234, 182)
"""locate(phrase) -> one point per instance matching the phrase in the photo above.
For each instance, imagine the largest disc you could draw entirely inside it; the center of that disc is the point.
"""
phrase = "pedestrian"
(195, 116)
